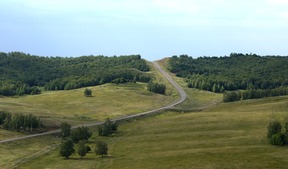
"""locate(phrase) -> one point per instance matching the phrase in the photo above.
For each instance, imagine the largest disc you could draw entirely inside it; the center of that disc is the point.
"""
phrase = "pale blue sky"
(152, 28)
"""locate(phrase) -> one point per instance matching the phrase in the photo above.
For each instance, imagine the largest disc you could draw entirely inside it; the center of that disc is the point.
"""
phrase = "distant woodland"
(239, 76)
(22, 73)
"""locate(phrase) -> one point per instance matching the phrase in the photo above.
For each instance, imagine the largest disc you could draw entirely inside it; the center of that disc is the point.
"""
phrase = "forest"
(22, 73)
(250, 72)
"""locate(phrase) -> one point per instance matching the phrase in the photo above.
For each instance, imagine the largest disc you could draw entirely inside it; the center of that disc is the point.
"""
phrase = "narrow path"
(166, 75)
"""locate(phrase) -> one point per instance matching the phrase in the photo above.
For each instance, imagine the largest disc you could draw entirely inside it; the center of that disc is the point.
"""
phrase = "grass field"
(15, 153)
(211, 134)
(230, 135)
(108, 100)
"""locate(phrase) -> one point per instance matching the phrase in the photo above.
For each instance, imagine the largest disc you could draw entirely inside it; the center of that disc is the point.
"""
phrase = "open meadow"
(207, 134)
(228, 135)
(108, 100)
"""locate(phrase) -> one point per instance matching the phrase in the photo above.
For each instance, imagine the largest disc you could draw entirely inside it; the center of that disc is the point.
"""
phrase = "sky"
(152, 28)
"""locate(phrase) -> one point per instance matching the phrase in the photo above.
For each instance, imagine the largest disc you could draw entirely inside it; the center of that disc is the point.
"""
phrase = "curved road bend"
(166, 75)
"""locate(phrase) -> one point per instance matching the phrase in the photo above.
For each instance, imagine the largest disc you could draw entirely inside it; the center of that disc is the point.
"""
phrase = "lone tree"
(82, 149)
(67, 148)
(101, 148)
(87, 92)
(65, 130)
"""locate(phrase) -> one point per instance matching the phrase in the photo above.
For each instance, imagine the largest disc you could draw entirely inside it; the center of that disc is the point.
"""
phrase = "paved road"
(166, 75)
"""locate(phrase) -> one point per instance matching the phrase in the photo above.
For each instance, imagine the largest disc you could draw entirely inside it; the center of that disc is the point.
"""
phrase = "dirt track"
(166, 75)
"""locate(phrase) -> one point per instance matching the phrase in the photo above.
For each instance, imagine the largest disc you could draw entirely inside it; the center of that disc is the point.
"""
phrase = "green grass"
(217, 135)
(227, 135)
(17, 152)
(4, 134)
(108, 100)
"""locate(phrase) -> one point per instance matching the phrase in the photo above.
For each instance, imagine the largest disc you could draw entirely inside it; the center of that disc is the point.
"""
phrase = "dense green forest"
(235, 72)
(22, 73)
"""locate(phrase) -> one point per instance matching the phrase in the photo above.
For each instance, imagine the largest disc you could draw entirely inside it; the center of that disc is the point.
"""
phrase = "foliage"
(67, 148)
(278, 139)
(80, 134)
(65, 130)
(88, 148)
(82, 149)
(230, 96)
(107, 128)
(237, 72)
(101, 148)
(274, 133)
(273, 128)
(87, 92)
(19, 122)
(21, 72)
(156, 87)
(11, 88)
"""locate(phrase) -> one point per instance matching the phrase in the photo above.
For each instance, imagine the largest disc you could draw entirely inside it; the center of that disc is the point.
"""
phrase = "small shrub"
(278, 139)
(88, 92)
(273, 128)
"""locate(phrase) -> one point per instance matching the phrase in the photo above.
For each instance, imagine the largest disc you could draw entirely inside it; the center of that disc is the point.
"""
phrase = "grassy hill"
(223, 135)
(228, 135)
(210, 134)
(109, 100)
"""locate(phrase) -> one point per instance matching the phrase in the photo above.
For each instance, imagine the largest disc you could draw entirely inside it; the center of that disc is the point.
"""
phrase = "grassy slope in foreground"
(231, 135)
(225, 135)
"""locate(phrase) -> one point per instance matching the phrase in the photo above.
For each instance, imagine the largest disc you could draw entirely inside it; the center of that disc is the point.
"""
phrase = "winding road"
(166, 75)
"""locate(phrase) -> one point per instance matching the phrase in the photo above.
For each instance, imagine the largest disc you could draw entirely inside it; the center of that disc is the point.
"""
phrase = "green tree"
(101, 148)
(81, 133)
(82, 149)
(278, 139)
(65, 129)
(273, 128)
(107, 128)
(156, 87)
(67, 148)
(87, 92)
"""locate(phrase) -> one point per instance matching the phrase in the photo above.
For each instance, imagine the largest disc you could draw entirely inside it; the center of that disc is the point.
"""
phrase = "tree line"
(19, 122)
(230, 96)
(11, 88)
(22, 73)
(257, 74)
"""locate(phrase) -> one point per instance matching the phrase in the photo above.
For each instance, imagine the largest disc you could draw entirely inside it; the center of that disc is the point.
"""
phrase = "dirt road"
(166, 75)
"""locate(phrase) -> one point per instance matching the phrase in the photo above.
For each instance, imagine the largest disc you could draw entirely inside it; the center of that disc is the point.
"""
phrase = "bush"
(278, 139)
(80, 134)
(101, 148)
(87, 92)
(156, 88)
(273, 128)
(107, 128)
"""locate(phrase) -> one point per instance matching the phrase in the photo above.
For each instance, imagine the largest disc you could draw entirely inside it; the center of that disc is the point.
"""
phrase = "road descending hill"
(180, 100)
